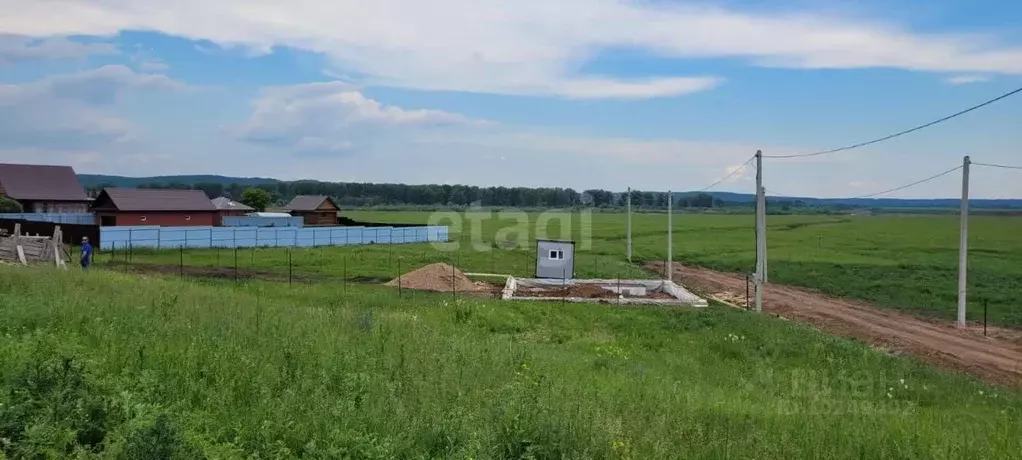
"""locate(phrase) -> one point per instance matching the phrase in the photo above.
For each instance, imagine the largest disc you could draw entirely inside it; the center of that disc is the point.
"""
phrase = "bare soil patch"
(587, 291)
(439, 277)
(996, 359)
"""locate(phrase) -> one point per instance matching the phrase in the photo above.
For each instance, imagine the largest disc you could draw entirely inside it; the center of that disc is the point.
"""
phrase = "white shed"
(555, 259)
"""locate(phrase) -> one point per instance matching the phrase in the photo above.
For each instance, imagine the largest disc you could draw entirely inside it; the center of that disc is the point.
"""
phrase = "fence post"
(344, 275)
(564, 285)
(746, 291)
(181, 267)
(454, 286)
(290, 270)
(400, 288)
(985, 302)
(235, 264)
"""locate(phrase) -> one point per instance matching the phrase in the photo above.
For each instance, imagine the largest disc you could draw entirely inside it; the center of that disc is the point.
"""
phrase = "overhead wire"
(730, 175)
(991, 165)
(775, 194)
(903, 187)
(901, 133)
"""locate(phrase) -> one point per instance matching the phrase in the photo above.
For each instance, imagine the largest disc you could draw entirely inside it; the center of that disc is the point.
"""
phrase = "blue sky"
(657, 94)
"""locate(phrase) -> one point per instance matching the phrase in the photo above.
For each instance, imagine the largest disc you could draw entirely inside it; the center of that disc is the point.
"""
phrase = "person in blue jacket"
(86, 253)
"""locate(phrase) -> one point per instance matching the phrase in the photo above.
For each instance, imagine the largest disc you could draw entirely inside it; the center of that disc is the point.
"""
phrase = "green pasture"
(906, 262)
(108, 365)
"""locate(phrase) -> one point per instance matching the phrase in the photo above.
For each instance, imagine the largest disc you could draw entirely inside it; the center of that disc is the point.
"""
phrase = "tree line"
(371, 194)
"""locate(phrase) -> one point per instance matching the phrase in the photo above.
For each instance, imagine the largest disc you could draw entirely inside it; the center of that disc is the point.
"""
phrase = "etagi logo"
(512, 228)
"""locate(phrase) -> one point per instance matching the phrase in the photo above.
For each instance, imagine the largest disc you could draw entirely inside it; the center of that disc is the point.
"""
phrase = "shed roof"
(308, 203)
(277, 215)
(130, 199)
(224, 203)
(41, 182)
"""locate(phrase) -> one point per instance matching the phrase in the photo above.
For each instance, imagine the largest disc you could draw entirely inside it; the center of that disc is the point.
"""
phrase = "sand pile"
(438, 277)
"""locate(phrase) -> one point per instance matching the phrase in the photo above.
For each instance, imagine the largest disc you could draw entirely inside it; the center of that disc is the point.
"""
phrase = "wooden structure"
(71, 234)
(43, 188)
(142, 207)
(315, 210)
(24, 249)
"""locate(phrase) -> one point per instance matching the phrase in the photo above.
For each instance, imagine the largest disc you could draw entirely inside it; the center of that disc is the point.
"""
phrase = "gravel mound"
(439, 277)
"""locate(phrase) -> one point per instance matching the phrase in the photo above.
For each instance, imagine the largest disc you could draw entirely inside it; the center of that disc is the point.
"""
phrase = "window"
(556, 254)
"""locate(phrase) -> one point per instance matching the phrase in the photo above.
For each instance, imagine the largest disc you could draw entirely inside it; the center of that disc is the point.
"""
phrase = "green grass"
(110, 365)
(903, 262)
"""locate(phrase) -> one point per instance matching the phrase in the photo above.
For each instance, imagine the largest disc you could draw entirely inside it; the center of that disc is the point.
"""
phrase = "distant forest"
(382, 195)
(394, 196)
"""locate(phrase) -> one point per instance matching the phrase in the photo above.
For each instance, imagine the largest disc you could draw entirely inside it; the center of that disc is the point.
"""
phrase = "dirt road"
(996, 359)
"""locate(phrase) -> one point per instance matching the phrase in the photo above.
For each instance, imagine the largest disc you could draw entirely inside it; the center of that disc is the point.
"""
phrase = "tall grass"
(109, 365)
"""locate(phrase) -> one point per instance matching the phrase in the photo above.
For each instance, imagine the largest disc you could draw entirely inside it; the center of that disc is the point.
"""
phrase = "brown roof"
(41, 183)
(308, 203)
(224, 203)
(130, 199)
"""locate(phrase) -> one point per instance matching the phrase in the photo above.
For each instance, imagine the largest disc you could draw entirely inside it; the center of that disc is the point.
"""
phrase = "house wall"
(59, 207)
(163, 219)
(320, 218)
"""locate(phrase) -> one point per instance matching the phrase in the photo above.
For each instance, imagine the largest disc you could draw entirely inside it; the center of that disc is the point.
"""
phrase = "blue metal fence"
(56, 218)
(113, 238)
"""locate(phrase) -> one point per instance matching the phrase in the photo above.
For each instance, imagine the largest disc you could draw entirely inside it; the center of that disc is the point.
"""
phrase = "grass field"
(112, 365)
(903, 262)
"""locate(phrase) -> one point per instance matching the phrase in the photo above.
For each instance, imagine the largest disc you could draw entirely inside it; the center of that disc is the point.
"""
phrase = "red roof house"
(166, 208)
(43, 188)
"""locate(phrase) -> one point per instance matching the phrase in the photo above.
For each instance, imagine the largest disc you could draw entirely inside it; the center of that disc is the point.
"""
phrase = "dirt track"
(996, 359)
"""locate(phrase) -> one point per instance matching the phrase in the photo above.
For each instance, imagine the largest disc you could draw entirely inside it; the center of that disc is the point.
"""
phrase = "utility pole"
(628, 225)
(963, 244)
(670, 235)
(760, 232)
(762, 226)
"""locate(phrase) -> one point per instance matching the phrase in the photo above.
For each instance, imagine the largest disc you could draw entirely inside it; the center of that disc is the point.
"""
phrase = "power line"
(903, 187)
(779, 195)
(902, 133)
(997, 166)
(731, 174)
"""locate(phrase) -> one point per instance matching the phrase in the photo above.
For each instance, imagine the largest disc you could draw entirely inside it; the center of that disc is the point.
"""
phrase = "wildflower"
(981, 392)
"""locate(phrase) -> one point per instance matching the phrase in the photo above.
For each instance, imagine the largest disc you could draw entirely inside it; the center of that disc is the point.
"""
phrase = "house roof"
(130, 199)
(308, 203)
(41, 183)
(224, 203)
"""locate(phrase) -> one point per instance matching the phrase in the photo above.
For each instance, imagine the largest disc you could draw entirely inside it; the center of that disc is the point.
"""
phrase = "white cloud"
(966, 79)
(153, 65)
(527, 46)
(66, 111)
(18, 49)
(324, 117)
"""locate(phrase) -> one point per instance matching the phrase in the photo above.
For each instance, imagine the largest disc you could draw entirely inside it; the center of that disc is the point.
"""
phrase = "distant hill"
(95, 180)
